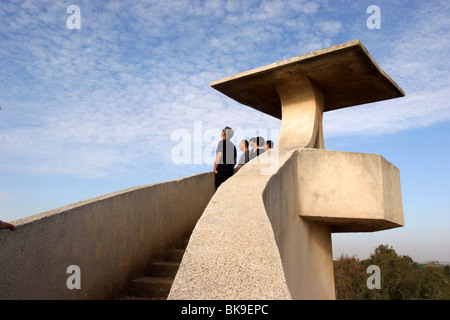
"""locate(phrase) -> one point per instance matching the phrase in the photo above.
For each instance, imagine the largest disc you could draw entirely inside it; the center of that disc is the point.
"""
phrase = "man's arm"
(216, 163)
(241, 161)
(6, 225)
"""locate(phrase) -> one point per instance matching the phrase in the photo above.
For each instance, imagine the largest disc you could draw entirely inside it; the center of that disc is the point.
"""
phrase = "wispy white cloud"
(415, 55)
(416, 111)
(107, 97)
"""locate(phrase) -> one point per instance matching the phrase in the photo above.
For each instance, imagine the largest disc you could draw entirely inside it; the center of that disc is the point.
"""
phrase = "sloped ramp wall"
(305, 246)
(232, 253)
(251, 243)
(112, 239)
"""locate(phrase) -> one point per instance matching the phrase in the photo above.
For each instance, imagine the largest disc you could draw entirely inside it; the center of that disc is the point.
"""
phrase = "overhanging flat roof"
(346, 74)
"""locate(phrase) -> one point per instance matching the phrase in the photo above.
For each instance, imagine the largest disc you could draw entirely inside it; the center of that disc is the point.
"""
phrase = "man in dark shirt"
(226, 156)
(252, 143)
(245, 157)
(269, 144)
(260, 145)
(257, 144)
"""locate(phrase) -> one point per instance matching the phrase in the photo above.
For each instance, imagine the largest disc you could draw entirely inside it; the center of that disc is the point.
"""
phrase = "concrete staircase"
(156, 286)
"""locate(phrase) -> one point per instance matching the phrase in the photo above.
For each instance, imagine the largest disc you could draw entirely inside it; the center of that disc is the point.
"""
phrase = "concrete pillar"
(310, 245)
(302, 113)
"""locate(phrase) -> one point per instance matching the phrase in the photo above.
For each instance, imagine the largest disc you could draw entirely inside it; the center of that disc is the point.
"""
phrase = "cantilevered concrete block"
(351, 192)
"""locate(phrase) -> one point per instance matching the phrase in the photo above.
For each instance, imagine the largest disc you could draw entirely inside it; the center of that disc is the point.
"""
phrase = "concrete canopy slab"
(346, 74)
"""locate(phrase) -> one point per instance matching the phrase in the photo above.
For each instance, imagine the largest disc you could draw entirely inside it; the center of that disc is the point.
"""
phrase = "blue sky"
(89, 111)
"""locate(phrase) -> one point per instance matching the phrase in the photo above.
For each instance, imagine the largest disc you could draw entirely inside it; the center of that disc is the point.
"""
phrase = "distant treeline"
(400, 278)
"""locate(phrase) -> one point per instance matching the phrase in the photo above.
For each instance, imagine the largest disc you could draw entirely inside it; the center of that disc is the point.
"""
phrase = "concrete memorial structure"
(266, 233)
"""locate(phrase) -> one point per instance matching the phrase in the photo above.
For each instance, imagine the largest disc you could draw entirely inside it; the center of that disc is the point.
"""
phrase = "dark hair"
(270, 143)
(260, 141)
(228, 132)
(246, 143)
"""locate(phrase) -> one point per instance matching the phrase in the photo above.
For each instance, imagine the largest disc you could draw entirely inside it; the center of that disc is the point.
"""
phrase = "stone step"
(156, 286)
(150, 288)
(175, 255)
(164, 269)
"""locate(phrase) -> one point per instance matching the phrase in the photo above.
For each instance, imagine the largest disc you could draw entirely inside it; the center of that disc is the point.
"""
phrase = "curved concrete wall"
(112, 239)
(266, 234)
(233, 252)
(305, 246)
(251, 243)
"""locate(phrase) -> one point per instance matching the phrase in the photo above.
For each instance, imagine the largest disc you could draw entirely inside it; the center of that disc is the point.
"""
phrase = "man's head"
(252, 142)
(269, 144)
(260, 142)
(227, 133)
(243, 145)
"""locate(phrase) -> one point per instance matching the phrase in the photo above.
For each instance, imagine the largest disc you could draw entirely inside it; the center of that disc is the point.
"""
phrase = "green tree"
(433, 284)
(401, 277)
(447, 271)
(398, 274)
(349, 277)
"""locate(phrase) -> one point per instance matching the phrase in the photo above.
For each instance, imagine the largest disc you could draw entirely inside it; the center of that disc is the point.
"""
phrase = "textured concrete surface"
(269, 236)
(304, 246)
(113, 239)
(232, 253)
